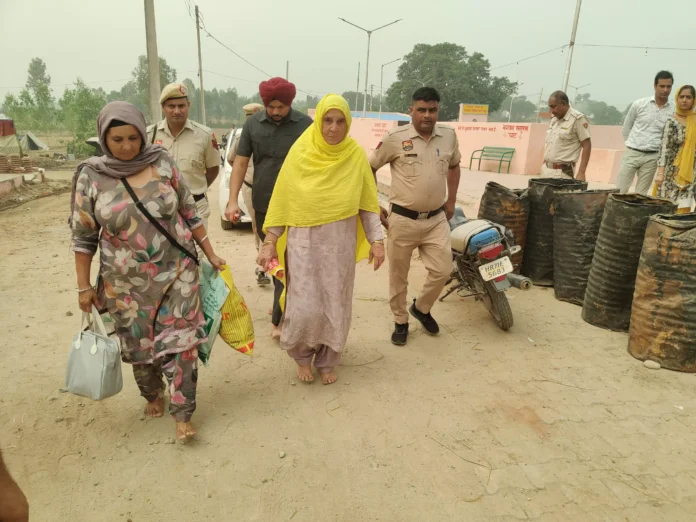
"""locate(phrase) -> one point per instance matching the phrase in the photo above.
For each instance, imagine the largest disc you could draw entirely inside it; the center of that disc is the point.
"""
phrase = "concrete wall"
(526, 138)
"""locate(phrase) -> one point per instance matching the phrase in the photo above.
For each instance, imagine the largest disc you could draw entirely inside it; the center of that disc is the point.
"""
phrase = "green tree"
(598, 112)
(310, 102)
(522, 110)
(374, 100)
(460, 77)
(137, 90)
(35, 106)
(79, 109)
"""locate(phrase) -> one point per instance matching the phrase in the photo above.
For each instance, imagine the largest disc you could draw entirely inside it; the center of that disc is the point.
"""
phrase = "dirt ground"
(550, 421)
(28, 192)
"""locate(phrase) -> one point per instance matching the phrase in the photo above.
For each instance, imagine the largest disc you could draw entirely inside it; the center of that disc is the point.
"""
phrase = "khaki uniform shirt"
(564, 137)
(418, 167)
(249, 176)
(194, 150)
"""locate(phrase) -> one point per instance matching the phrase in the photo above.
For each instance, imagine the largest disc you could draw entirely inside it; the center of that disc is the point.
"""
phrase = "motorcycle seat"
(461, 236)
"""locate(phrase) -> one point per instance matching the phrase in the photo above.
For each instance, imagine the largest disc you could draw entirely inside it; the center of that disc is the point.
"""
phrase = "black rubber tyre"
(226, 225)
(498, 306)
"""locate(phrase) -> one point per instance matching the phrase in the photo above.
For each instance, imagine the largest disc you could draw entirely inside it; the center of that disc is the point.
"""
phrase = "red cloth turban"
(277, 89)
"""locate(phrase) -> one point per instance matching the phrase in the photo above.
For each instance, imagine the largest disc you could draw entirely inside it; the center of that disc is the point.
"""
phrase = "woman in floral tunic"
(149, 286)
(675, 172)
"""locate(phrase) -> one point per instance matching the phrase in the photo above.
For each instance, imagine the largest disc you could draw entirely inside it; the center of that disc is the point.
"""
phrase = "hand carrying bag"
(94, 363)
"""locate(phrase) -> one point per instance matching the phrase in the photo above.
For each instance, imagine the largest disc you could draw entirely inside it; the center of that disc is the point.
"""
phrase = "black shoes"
(400, 335)
(262, 279)
(427, 320)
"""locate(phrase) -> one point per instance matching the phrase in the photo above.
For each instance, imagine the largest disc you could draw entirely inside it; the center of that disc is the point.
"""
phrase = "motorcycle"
(481, 253)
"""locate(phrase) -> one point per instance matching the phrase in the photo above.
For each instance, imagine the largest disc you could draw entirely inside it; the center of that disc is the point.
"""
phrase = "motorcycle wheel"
(498, 306)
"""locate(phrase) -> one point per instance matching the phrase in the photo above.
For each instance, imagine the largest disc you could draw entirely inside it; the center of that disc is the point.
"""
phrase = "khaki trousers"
(246, 195)
(204, 211)
(640, 164)
(432, 239)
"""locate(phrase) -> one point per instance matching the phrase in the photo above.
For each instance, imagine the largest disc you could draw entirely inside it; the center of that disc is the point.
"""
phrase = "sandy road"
(551, 421)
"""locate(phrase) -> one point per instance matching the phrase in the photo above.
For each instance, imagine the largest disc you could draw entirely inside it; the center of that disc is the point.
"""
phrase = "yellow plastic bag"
(236, 328)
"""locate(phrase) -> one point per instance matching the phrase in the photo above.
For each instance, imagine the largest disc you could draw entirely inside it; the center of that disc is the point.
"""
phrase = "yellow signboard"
(469, 108)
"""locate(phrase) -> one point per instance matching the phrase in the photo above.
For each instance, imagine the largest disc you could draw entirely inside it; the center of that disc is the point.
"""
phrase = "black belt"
(643, 151)
(248, 184)
(198, 197)
(413, 214)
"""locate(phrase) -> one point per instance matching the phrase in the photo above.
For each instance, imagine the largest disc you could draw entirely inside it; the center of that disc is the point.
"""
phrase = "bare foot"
(275, 333)
(155, 408)
(270, 311)
(328, 378)
(184, 432)
(304, 373)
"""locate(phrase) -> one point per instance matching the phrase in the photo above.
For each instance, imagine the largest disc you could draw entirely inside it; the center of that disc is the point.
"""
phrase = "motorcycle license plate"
(495, 269)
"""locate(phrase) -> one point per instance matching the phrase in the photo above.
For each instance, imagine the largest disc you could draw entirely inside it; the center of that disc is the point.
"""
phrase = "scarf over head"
(108, 164)
(277, 89)
(685, 157)
(321, 183)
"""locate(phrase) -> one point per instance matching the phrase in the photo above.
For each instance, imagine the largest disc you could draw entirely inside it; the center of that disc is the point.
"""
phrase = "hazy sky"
(100, 41)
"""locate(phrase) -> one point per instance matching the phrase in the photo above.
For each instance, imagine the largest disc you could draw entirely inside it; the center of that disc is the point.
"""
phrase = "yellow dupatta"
(321, 183)
(685, 158)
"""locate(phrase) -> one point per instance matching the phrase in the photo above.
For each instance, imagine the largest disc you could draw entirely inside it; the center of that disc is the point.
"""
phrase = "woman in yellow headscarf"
(674, 178)
(323, 217)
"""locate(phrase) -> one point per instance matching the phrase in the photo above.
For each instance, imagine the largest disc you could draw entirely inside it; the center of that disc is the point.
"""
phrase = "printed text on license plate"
(495, 269)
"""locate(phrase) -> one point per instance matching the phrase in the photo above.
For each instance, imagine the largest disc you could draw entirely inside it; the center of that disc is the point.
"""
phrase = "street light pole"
(381, 85)
(367, 62)
(512, 99)
(566, 75)
(577, 90)
(357, 90)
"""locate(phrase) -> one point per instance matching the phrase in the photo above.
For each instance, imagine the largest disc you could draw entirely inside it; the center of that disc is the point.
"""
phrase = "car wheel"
(226, 225)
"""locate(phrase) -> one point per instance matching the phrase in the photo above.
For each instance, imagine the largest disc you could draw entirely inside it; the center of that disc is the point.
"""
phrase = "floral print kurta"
(140, 271)
(672, 139)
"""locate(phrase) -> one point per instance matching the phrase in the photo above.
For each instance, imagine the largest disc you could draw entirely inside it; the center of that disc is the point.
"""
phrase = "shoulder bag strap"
(156, 223)
(154, 133)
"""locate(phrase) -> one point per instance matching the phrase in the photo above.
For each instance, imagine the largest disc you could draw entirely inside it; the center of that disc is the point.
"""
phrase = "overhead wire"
(517, 62)
(646, 47)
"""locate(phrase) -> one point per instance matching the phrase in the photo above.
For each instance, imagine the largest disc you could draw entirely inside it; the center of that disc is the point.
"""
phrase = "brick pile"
(26, 163)
(15, 163)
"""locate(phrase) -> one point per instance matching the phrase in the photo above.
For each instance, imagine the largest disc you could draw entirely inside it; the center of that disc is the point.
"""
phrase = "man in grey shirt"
(268, 136)
(642, 131)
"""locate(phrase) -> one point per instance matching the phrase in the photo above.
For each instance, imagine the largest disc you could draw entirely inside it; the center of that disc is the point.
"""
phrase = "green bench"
(499, 154)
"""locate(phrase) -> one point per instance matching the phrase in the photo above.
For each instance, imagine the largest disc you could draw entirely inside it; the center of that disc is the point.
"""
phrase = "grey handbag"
(94, 363)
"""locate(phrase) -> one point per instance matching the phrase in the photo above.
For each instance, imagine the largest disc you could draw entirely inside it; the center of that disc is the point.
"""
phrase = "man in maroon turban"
(277, 89)
(268, 135)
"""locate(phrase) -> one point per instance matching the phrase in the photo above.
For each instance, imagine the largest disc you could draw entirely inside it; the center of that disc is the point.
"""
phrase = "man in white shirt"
(642, 131)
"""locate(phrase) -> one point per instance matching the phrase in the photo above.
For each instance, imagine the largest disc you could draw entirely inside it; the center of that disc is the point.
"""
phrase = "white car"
(224, 193)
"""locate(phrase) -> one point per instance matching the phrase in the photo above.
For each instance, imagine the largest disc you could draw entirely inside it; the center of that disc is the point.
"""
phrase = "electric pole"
(200, 65)
(371, 97)
(566, 75)
(153, 70)
(287, 70)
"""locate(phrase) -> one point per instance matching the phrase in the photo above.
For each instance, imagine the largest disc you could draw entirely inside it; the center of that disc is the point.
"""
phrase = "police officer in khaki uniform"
(192, 145)
(568, 135)
(251, 108)
(424, 159)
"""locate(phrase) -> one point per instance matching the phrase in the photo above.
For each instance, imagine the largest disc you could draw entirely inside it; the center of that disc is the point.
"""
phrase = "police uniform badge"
(407, 145)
